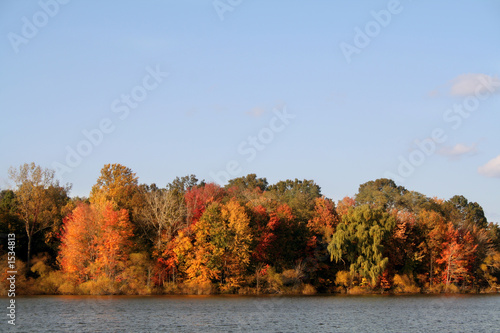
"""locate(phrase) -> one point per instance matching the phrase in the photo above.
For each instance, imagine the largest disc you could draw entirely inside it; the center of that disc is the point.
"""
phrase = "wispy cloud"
(434, 93)
(458, 150)
(491, 169)
(472, 84)
(256, 112)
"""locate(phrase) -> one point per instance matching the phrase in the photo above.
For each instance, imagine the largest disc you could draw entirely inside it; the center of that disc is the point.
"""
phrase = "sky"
(340, 92)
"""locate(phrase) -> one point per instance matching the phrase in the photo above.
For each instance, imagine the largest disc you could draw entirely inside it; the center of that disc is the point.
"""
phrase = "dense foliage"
(247, 237)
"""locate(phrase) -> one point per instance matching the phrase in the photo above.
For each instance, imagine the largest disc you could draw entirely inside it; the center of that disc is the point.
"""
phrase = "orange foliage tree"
(78, 250)
(95, 242)
(325, 218)
(432, 226)
(457, 255)
(344, 205)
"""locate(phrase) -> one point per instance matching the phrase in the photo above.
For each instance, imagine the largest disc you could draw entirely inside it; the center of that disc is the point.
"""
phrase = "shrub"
(403, 284)
(197, 288)
(308, 290)
(343, 279)
(356, 290)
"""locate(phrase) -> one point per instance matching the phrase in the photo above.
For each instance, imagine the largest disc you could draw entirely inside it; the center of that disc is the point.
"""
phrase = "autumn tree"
(38, 198)
(457, 255)
(179, 259)
(490, 269)
(95, 242)
(344, 205)
(199, 197)
(114, 243)
(325, 218)
(401, 247)
(222, 245)
(432, 228)
(117, 184)
(238, 224)
(249, 232)
(164, 212)
(282, 241)
(79, 243)
(321, 229)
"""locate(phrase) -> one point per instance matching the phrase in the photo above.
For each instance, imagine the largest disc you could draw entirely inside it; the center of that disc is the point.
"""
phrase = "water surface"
(457, 313)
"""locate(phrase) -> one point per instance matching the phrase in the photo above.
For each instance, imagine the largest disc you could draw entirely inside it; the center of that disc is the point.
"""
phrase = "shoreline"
(289, 294)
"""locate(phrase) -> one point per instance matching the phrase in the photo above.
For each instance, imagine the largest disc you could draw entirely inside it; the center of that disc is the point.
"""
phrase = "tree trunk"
(28, 262)
(431, 272)
(159, 238)
(258, 290)
(149, 276)
(448, 271)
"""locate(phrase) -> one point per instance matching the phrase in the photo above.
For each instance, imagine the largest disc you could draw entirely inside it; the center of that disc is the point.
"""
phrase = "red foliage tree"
(282, 240)
(199, 197)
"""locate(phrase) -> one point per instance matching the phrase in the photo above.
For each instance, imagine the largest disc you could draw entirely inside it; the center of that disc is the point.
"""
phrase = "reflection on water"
(462, 313)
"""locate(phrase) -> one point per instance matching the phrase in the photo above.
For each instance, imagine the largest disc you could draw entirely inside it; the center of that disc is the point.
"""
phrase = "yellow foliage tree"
(117, 184)
(238, 224)
(221, 252)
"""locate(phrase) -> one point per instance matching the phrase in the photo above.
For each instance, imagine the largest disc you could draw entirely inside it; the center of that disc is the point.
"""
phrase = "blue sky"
(337, 92)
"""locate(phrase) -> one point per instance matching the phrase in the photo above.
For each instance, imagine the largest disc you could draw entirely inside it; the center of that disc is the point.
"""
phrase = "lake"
(373, 313)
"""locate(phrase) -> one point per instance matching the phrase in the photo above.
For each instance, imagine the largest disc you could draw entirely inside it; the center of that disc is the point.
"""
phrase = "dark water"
(461, 313)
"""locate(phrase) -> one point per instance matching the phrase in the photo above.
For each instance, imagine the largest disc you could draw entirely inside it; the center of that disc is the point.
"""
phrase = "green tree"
(250, 182)
(464, 213)
(10, 221)
(180, 186)
(300, 195)
(381, 193)
(360, 239)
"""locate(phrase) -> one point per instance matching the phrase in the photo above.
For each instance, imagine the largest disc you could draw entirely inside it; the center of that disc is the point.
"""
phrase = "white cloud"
(458, 150)
(256, 112)
(491, 169)
(473, 84)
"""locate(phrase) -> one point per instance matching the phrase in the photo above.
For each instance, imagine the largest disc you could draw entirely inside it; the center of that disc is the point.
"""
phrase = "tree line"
(247, 237)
